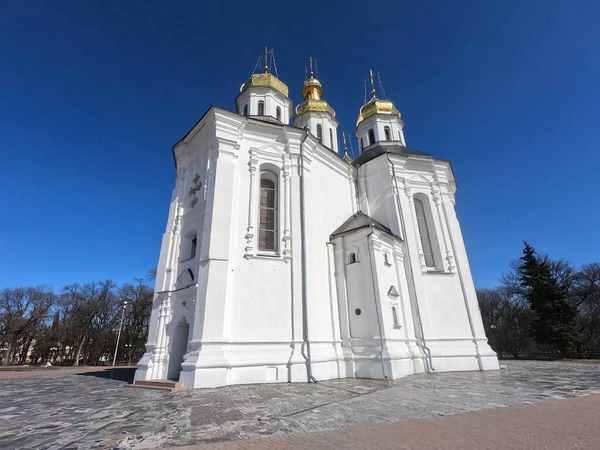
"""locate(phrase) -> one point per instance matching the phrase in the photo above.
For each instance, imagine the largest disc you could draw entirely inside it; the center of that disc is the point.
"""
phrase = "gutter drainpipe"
(383, 346)
(305, 341)
(410, 284)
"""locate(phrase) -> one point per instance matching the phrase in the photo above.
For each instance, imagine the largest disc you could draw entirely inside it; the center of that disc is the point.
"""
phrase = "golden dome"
(314, 105)
(265, 80)
(312, 93)
(376, 106)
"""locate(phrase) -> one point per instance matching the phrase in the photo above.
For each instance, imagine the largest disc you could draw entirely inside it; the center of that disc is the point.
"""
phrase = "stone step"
(158, 384)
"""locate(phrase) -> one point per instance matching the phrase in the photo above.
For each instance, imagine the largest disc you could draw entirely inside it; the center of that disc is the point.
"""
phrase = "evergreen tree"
(554, 317)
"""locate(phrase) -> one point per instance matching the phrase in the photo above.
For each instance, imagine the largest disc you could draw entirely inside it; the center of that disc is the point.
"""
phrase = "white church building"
(284, 262)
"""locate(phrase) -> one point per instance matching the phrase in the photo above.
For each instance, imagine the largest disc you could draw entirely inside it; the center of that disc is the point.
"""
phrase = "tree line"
(544, 307)
(78, 325)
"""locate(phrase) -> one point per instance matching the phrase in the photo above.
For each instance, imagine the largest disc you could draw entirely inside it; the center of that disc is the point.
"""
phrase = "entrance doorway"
(178, 347)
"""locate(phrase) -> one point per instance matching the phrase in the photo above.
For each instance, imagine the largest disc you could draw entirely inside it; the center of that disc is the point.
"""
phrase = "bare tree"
(22, 312)
(92, 309)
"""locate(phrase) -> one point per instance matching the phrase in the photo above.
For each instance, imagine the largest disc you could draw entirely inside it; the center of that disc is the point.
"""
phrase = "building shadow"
(125, 374)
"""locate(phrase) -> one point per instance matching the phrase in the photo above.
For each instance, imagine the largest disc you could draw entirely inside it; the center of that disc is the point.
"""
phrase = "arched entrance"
(178, 347)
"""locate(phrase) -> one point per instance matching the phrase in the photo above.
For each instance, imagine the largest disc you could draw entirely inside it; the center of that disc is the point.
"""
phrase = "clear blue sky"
(93, 95)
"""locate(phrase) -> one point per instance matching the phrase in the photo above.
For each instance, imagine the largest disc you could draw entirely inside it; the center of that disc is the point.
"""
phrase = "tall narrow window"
(331, 138)
(371, 136)
(395, 317)
(388, 136)
(193, 249)
(261, 108)
(245, 110)
(320, 133)
(267, 228)
(362, 145)
(424, 233)
(278, 112)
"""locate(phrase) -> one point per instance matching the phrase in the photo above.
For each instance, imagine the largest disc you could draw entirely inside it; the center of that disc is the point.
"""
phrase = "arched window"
(424, 233)
(261, 108)
(320, 133)
(388, 136)
(371, 136)
(245, 110)
(278, 113)
(267, 227)
(362, 145)
(352, 258)
(331, 138)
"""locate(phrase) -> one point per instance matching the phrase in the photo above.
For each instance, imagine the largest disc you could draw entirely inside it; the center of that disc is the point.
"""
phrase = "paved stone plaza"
(81, 411)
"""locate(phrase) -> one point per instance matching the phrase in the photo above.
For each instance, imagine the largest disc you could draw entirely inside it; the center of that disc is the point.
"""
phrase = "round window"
(357, 311)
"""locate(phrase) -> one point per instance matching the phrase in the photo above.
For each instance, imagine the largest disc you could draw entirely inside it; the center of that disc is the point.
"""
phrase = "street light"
(119, 335)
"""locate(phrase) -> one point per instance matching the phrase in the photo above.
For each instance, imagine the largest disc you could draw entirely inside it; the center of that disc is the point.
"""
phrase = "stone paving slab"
(551, 425)
(78, 411)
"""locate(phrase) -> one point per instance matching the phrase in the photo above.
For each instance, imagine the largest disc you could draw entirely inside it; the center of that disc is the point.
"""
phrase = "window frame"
(271, 175)
(261, 108)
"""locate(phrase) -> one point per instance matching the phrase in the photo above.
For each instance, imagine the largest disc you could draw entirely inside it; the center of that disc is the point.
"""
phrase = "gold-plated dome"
(312, 93)
(265, 80)
(376, 106)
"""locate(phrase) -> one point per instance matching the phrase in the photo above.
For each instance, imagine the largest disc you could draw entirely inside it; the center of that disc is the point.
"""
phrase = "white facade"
(281, 260)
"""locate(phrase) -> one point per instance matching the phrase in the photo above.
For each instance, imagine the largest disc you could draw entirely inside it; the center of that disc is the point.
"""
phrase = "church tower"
(411, 196)
(316, 114)
(378, 121)
(264, 96)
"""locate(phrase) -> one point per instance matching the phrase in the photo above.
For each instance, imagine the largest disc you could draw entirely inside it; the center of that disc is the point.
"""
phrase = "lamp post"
(119, 335)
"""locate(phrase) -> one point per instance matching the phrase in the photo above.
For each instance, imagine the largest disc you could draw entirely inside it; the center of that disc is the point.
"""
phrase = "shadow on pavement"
(118, 373)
